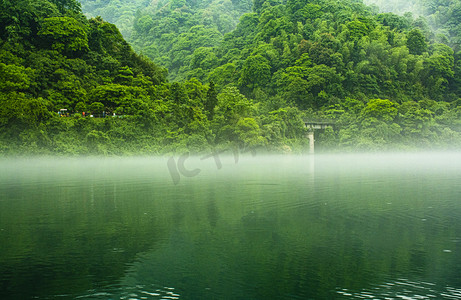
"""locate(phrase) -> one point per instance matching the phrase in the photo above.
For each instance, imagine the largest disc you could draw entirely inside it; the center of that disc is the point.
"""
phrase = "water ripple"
(402, 289)
(134, 292)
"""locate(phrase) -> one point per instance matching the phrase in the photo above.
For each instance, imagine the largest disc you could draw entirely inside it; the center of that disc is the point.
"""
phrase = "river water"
(358, 226)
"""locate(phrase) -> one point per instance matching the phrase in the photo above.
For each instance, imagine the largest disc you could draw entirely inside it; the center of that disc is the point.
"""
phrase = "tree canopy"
(242, 75)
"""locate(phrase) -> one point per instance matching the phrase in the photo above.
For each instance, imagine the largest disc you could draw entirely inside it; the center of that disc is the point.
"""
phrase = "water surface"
(261, 227)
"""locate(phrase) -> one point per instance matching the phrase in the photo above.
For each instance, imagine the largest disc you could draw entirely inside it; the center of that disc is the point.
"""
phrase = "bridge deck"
(318, 124)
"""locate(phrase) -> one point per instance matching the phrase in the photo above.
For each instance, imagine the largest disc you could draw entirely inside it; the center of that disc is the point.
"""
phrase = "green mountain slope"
(169, 31)
(56, 65)
(441, 18)
(379, 77)
(313, 52)
(119, 12)
(174, 33)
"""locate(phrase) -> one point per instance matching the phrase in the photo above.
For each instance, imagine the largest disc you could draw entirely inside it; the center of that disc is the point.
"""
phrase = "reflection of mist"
(311, 170)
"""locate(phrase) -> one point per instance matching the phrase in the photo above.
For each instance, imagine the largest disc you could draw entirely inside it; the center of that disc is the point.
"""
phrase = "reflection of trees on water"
(68, 237)
(212, 208)
(298, 246)
(235, 238)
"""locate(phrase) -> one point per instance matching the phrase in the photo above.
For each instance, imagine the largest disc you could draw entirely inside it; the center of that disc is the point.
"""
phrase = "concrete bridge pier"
(312, 126)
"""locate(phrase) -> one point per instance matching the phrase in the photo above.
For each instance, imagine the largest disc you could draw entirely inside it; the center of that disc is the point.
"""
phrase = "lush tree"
(97, 107)
(248, 133)
(14, 77)
(67, 5)
(19, 112)
(256, 72)
(204, 58)
(380, 109)
(416, 42)
(211, 100)
(64, 34)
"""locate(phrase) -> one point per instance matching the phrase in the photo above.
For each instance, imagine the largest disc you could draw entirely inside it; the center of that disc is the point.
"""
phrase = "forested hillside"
(169, 32)
(380, 77)
(438, 18)
(176, 34)
(119, 12)
(74, 86)
(316, 54)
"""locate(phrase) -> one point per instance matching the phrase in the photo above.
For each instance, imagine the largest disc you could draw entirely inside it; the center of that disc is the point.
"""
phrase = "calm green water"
(265, 227)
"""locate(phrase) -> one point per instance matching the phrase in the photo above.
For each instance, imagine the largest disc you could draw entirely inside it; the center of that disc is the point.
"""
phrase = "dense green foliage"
(385, 82)
(170, 31)
(440, 19)
(179, 35)
(321, 56)
(53, 59)
(118, 12)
